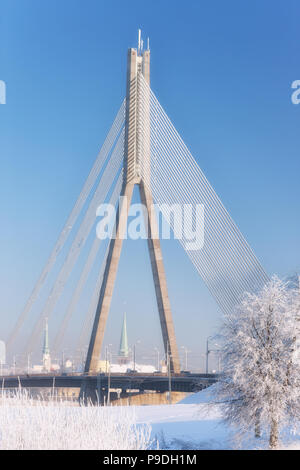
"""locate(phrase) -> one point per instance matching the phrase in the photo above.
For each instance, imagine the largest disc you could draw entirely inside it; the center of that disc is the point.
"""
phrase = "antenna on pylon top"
(139, 42)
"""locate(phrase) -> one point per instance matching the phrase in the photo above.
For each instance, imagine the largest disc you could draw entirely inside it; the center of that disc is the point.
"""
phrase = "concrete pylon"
(137, 62)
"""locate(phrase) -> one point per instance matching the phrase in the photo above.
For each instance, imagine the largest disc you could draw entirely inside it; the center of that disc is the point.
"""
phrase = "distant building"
(103, 366)
(37, 369)
(2, 353)
(163, 367)
(123, 357)
(68, 366)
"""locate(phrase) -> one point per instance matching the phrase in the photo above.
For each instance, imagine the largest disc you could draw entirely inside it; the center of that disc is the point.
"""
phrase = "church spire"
(46, 350)
(123, 350)
(46, 339)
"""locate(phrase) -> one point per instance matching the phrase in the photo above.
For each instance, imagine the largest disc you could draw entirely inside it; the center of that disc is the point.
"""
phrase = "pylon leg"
(93, 355)
(109, 277)
(160, 282)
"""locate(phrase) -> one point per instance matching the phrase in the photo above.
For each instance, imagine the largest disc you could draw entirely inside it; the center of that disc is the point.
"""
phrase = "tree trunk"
(257, 429)
(273, 442)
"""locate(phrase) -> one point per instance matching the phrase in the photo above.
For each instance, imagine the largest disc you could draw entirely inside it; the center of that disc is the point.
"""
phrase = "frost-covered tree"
(260, 387)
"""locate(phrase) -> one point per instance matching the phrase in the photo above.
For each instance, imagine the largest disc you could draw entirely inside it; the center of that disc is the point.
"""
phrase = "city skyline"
(246, 172)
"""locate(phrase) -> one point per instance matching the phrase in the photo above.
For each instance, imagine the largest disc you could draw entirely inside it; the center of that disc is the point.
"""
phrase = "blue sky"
(222, 71)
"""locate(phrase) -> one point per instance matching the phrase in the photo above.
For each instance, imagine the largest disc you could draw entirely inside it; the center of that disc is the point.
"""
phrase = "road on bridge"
(157, 382)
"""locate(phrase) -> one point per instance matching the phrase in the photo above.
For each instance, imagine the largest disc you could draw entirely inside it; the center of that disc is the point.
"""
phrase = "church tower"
(46, 350)
(123, 356)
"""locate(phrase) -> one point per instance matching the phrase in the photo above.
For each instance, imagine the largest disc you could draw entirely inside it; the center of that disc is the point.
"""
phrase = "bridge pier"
(91, 393)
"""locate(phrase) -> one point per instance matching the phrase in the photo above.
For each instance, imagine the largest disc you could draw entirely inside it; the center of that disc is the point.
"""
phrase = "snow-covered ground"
(194, 423)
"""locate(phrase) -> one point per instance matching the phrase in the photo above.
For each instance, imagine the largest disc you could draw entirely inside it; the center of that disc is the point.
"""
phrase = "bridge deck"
(157, 382)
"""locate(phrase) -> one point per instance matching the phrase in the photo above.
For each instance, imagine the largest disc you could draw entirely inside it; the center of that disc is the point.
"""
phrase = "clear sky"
(222, 71)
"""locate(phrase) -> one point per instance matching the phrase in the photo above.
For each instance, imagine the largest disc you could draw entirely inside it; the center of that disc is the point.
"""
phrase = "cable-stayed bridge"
(143, 149)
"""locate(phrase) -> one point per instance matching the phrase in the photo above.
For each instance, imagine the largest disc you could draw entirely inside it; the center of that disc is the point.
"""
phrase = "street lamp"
(202, 356)
(210, 350)
(107, 355)
(108, 383)
(186, 356)
(134, 353)
(28, 363)
(169, 373)
(14, 365)
(207, 353)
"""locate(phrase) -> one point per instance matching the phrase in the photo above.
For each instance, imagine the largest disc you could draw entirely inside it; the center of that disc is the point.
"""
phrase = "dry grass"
(54, 424)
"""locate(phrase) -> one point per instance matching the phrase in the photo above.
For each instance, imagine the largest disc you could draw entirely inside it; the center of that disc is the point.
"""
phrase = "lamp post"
(84, 355)
(186, 356)
(28, 363)
(208, 351)
(14, 365)
(107, 355)
(106, 360)
(169, 373)
(108, 382)
(134, 353)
